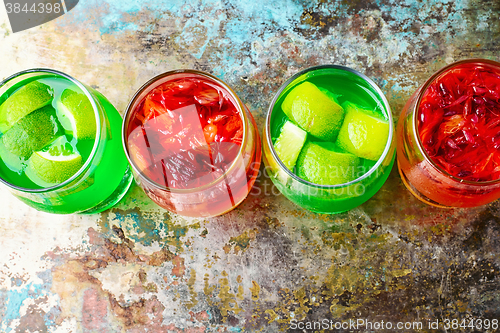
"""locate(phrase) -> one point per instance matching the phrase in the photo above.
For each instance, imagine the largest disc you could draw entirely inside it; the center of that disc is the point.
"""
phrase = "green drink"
(60, 144)
(328, 139)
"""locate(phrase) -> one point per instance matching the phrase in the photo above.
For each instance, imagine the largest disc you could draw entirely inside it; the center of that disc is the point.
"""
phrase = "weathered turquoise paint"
(13, 300)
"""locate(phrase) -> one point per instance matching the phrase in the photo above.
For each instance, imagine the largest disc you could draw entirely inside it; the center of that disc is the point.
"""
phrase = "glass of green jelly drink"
(60, 144)
(328, 140)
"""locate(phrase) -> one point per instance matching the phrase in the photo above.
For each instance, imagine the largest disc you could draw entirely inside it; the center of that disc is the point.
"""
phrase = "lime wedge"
(314, 111)
(32, 132)
(13, 162)
(55, 164)
(289, 144)
(363, 133)
(322, 163)
(77, 115)
(25, 100)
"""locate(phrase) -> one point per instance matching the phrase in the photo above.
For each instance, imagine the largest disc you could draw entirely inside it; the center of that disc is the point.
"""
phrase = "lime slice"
(55, 164)
(32, 132)
(314, 111)
(13, 162)
(76, 114)
(25, 100)
(289, 144)
(322, 163)
(364, 133)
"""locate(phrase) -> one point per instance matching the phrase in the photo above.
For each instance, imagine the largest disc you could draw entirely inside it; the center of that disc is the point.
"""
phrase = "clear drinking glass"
(426, 179)
(105, 175)
(329, 199)
(150, 156)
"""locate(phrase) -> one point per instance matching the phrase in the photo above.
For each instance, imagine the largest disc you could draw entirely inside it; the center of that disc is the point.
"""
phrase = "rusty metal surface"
(267, 264)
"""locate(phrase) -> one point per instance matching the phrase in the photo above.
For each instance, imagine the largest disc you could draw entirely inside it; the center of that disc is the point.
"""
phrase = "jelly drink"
(448, 136)
(459, 122)
(37, 150)
(187, 134)
(55, 153)
(340, 128)
(343, 149)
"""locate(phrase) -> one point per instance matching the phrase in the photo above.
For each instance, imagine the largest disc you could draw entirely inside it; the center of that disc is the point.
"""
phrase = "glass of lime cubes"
(329, 139)
(60, 144)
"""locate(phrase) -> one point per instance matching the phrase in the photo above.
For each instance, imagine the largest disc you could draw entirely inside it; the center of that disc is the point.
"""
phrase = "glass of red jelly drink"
(449, 136)
(192, 143)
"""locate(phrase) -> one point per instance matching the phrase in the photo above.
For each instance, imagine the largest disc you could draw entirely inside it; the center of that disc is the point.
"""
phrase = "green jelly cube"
(363, 133)
(314, 111)
(289, 144)
(324, 164)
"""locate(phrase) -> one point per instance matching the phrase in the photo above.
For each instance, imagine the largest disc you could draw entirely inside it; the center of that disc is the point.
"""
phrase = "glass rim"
(97, 118)
(372, 84)
(421, 92)
(149, 86)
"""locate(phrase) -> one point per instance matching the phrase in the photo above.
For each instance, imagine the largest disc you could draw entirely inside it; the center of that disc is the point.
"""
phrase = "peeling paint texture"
(138, 268)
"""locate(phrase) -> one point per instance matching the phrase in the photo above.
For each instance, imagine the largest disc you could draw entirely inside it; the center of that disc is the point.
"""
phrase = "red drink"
(449, 136)
(459, 122)
(193, 145)
(185, 133)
